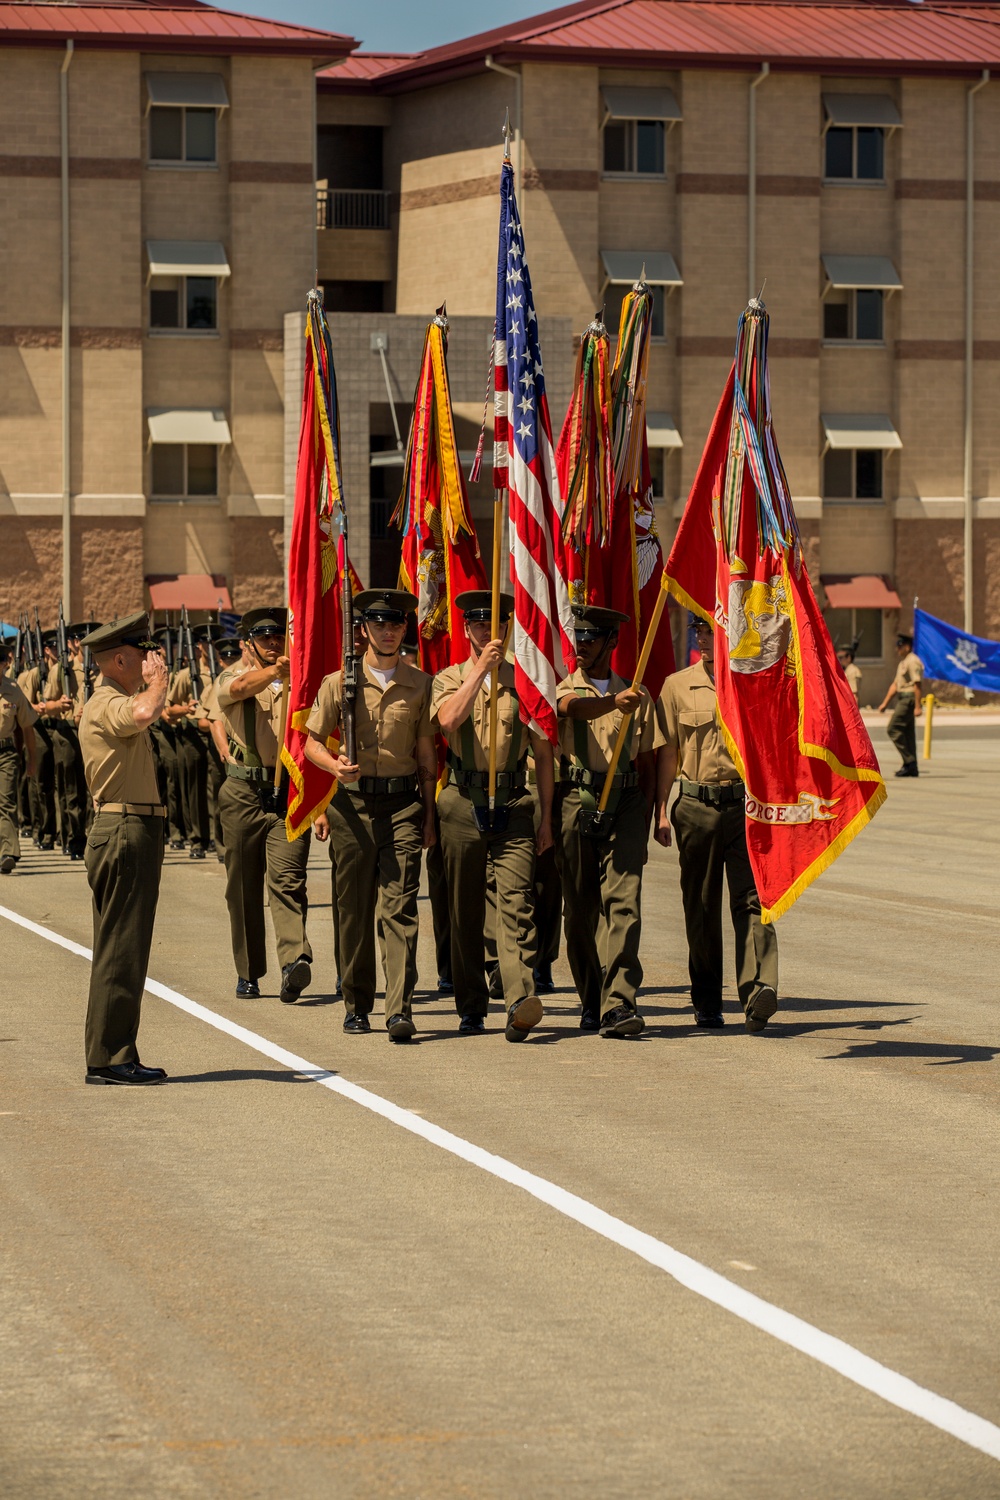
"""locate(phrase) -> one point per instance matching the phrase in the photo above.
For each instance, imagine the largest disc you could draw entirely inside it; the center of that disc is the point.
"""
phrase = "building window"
(657, 471)
(634, 147)
(353, 296)
(855, 153)
(182, 135)
(183, 471)
(852, 474)
(862, 625)
(854, 316)
(613, 310)
(186, 303)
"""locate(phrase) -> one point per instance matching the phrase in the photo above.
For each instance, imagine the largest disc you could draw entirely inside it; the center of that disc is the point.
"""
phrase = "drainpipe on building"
(755, 84)
(496, 67)
(67, 517)
(970, 200)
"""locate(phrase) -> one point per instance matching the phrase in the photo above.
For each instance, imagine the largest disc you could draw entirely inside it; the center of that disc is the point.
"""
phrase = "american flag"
(524, 465)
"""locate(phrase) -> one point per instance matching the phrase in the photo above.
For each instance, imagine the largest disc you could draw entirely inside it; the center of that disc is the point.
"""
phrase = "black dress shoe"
(7, 864)
(294, 978)
(622, 1021)
(247, 989)
(590, 1021)
(711, 1020)
(357, 1023)
(127, 1073)
(910, 769)
(176, 844)
(522, 1017)
(472, 1026)
(761, 1008)
(400, 1029)
(544, 984)
(196, 853)
(445, 986)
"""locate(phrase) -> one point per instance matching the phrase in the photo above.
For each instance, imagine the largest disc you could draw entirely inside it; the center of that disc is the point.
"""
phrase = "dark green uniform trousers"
(602, 883)
(165, 741)
(192, 774)
(10, 787)
(437, 891)
(257, 850)
(25, 818)
(42, 790)
(215, 776)
(376, 841)
(71, 790)
(469, 858)
(548, 899)
(903, 727)
(712, 839)
(123, 858)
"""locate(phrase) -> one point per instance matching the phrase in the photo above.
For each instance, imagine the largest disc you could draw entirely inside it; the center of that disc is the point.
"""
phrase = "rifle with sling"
(187, 647)
(62, 652)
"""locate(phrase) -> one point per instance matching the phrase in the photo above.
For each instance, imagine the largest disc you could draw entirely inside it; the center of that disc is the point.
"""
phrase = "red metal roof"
(364, 67)
(938, 36)
(859, 591)
(190, 590)
(154, 25)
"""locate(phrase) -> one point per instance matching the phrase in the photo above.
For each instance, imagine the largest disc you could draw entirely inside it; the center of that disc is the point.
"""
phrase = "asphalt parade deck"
(263, 1281)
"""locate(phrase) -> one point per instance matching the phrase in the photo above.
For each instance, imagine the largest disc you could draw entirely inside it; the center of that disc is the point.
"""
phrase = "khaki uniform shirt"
(117, 755)
(447, 683)
(686, 714)
(14, 708)
(603, 732)
(267, 709)
(388, 721)
(853, 675)
(209, 705)
(909, 673)
(73, 689)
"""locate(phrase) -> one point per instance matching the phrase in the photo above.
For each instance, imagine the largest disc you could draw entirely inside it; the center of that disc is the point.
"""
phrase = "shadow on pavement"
(243, 1075)
(935, 1054)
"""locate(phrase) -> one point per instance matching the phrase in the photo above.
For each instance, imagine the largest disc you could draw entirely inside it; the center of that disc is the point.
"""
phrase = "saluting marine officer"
(602, 876)
(505, 842)
(125, 846)
(253, 817)
(709, 821)
(382, 814)
(16, 712)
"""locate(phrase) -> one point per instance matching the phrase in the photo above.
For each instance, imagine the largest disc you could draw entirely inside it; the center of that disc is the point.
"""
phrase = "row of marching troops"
(539, 852)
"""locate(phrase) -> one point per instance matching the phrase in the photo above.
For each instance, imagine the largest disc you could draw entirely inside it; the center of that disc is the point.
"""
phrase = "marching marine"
(382, 814)
(16, 713)
(475, 840)
(253, 815)
(905, 689)
(601, 855)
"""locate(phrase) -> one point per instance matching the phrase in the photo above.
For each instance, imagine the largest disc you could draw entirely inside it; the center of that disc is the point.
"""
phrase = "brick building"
(840, 151)
(158, 207)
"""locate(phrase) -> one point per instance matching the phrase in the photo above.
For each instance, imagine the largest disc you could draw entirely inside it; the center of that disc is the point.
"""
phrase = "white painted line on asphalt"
(822, 1347)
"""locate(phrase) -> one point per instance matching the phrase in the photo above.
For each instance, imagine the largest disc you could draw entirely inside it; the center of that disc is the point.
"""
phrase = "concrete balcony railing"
(351, 208)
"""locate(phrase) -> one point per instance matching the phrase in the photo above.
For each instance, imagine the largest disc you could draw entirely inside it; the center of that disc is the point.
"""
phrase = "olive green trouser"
(24, 814)
(192, 773)
(711, 840)
(548, 899)
(257, 850)
(437, 891)
(170, 786)
(215, 776)
(376, 848)
(123, 857)
(10, 778)
(71, 792)
(469, 857)
(602, 884)
(41, 790)
(903, 727)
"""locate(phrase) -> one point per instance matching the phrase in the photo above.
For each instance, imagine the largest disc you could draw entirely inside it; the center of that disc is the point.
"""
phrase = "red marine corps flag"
(315, 641)
(440, 557)
(785, 708)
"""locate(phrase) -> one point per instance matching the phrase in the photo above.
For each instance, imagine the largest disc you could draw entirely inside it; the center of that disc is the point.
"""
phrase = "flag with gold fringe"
(440, 557)
(315, 634)
(785, 708)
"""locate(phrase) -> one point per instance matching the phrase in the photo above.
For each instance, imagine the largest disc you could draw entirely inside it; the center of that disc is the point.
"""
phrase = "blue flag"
(949, 655)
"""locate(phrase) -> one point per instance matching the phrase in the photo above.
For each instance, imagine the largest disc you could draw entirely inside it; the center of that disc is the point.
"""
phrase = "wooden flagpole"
(640, 671)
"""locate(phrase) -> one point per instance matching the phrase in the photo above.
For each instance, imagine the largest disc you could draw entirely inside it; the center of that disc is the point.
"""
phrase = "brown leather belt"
(143, 809)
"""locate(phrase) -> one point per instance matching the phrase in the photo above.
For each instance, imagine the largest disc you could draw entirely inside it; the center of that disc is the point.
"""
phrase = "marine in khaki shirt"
(64, 695)
(602, 877)
(475, 841)
(708, 820)
(383, 813)
(904, 695)
(16, 712)
(125, 844)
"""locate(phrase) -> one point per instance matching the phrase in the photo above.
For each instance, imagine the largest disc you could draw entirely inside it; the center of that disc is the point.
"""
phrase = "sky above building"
(396, 25)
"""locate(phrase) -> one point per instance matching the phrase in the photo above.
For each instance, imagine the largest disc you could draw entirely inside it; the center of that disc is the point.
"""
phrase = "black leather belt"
(514, 780)
(8, 744)
(263, 775)
(382, 786)
(712, 793)
(577, 776)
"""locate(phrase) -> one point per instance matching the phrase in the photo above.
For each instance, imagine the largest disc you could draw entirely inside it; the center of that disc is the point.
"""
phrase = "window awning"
(861, 109)
(861, 272)
(187, 258)
(640, 104)
(193, 590)
(661, 430)
(859, 591)
(197, 90)
(860, 431)
(187, 424)
(624, 267)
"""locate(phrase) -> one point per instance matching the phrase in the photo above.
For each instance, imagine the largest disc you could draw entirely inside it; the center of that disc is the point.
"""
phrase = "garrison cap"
(129, 630)
(592, 621)
(266, 621)
(385, 606)
(477, 604)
